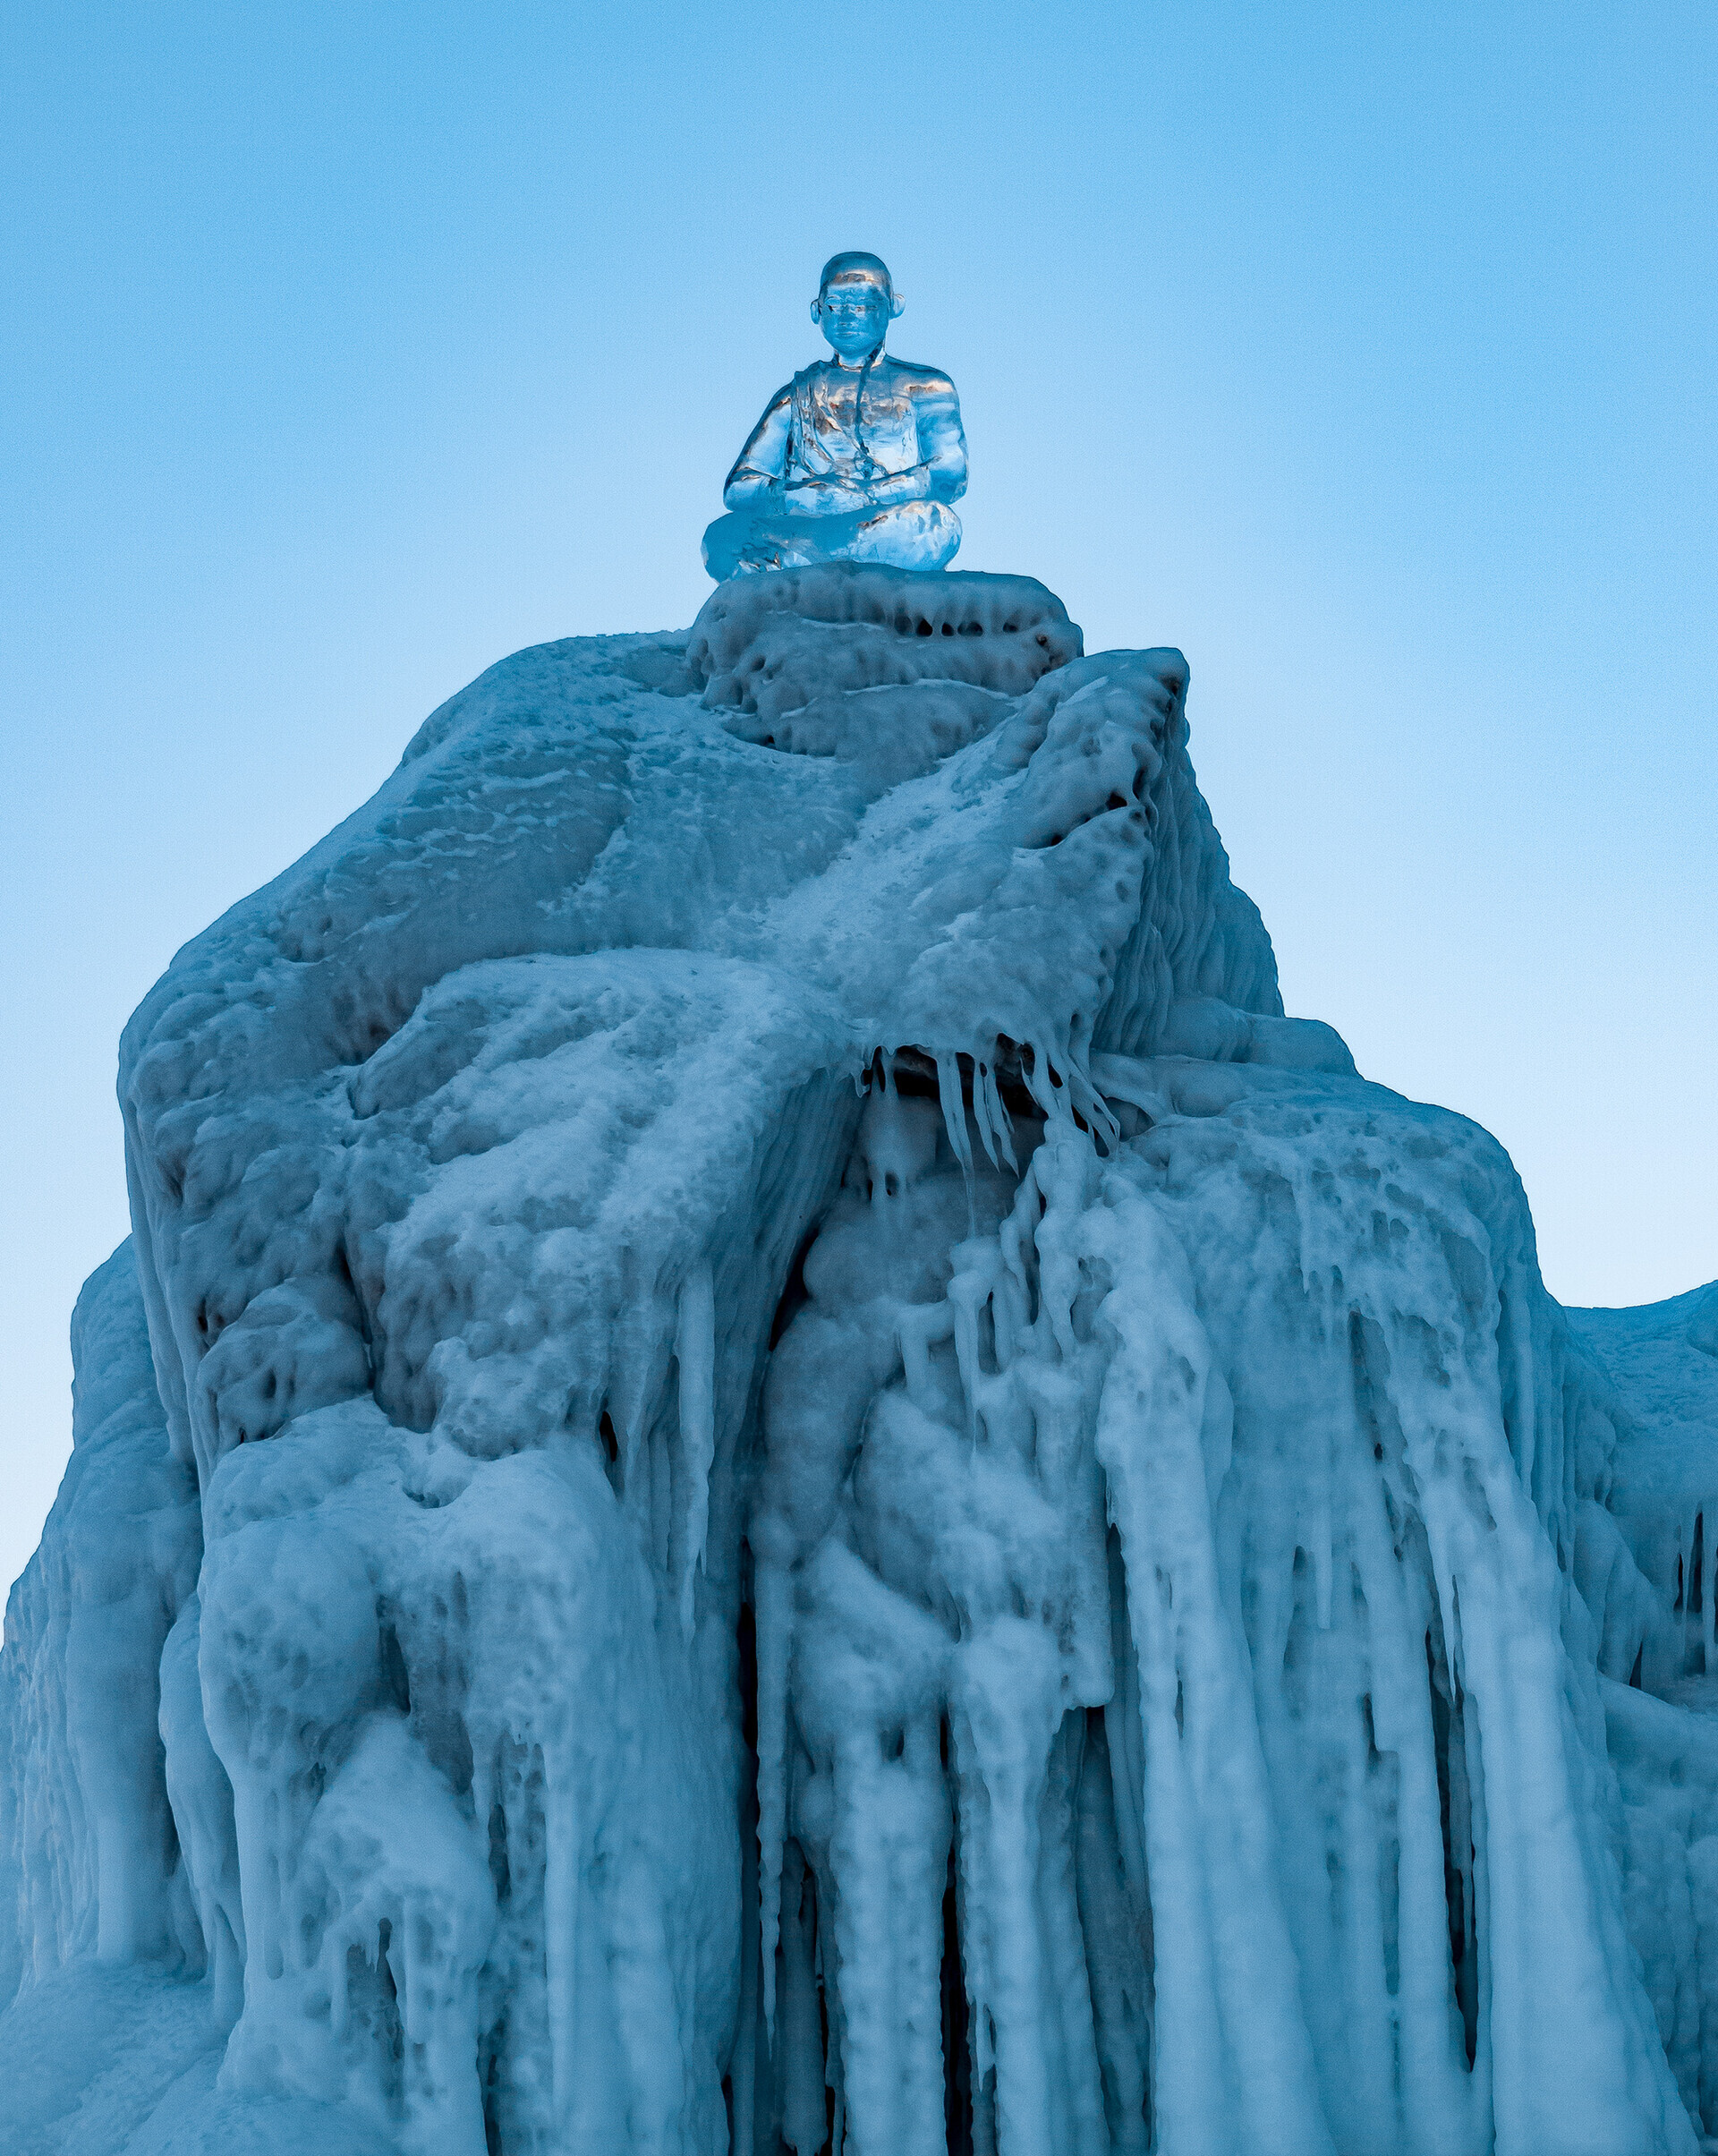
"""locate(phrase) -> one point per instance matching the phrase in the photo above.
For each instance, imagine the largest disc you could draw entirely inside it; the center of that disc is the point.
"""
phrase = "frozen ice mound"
(776, 1466)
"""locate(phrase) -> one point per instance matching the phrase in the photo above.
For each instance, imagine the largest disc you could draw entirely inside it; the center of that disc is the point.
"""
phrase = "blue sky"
(1367, 352)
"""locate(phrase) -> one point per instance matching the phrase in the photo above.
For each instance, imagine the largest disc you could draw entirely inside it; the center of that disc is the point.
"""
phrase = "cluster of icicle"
(1161, 1704)
(800, 1479)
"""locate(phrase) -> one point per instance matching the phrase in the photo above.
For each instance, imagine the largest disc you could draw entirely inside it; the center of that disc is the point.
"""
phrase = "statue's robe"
(890, 431)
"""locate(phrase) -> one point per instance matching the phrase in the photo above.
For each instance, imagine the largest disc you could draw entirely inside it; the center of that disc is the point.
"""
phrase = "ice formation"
(775, 1468)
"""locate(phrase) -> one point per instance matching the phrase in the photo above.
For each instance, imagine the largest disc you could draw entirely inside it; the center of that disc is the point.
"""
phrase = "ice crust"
(777, 1468)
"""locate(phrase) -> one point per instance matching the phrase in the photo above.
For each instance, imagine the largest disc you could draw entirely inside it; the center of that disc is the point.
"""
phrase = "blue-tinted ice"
(858, 459)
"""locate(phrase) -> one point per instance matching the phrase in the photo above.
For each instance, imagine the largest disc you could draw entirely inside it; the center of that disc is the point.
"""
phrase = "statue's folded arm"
(761, 463)
(941, 437)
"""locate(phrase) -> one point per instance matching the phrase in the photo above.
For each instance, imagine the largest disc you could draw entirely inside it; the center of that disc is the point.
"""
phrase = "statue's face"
(854, 314)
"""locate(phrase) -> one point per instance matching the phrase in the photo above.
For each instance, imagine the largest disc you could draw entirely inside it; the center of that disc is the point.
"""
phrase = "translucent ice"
(857, 458)
(801, 1479)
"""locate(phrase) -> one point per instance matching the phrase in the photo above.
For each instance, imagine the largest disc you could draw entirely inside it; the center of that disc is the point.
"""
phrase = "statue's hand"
(825, 497)
(916, 484)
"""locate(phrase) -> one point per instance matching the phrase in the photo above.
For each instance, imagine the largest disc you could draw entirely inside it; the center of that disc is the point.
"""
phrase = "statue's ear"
(895, 303)
(817, 308)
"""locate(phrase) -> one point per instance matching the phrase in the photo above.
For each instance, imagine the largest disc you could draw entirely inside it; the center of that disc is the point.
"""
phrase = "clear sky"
(1365, 351)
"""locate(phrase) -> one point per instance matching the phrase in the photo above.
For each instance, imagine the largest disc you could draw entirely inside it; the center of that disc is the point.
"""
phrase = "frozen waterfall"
(774, 1468)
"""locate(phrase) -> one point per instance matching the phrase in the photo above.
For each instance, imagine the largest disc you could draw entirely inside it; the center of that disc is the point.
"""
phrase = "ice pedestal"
(836, 1487)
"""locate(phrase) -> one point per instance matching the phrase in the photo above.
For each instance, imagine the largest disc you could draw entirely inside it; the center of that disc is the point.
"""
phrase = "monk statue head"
(860, 457)
(855, 302)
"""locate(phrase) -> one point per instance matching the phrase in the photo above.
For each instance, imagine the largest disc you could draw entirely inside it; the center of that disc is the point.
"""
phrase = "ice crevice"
(775, 1467)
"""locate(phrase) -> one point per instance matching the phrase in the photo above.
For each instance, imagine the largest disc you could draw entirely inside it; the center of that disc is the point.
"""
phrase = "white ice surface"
(799, 1476)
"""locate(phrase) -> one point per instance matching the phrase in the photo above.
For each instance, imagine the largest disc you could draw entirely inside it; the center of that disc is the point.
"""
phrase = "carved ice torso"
(824, 441)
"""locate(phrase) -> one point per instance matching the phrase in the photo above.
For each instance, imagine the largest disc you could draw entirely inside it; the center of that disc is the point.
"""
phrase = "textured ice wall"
(89, 1862)
(1664, 1640)
(848, 1496)
(1186, 1551)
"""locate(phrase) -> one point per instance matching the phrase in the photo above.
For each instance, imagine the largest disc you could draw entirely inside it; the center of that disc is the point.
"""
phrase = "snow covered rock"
(802, 1479)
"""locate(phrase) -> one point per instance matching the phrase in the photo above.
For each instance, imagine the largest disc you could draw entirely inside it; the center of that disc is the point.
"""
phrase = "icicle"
(333, 1951)
(1091, 1106)
(919, 1328)
(969, 1291)
(982, 1113)
(642, 1344)
(995, 1125)
(1434, 2087)
(743, 2073)
(1034, 1065)
(1010, 1316)
(1234, 2060)
(1527, 1398)
(1022, 1982)
(1323, 1556)
(416, 1960)
(1015, 1238)
(562, 1856)
(772, 1551)
(799, 2049)
(694, 1348)
(1473, 1857)
(954, 1111)
(1066, 2016)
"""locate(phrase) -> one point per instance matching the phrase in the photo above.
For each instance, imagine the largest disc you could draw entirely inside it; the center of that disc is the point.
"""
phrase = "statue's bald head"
(856, 268)
(855, 302)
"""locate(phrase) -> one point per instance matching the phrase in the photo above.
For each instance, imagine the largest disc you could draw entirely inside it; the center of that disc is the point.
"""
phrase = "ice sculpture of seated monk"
(857, 458)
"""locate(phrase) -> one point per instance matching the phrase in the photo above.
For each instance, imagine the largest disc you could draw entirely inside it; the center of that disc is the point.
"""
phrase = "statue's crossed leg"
(912, 535)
